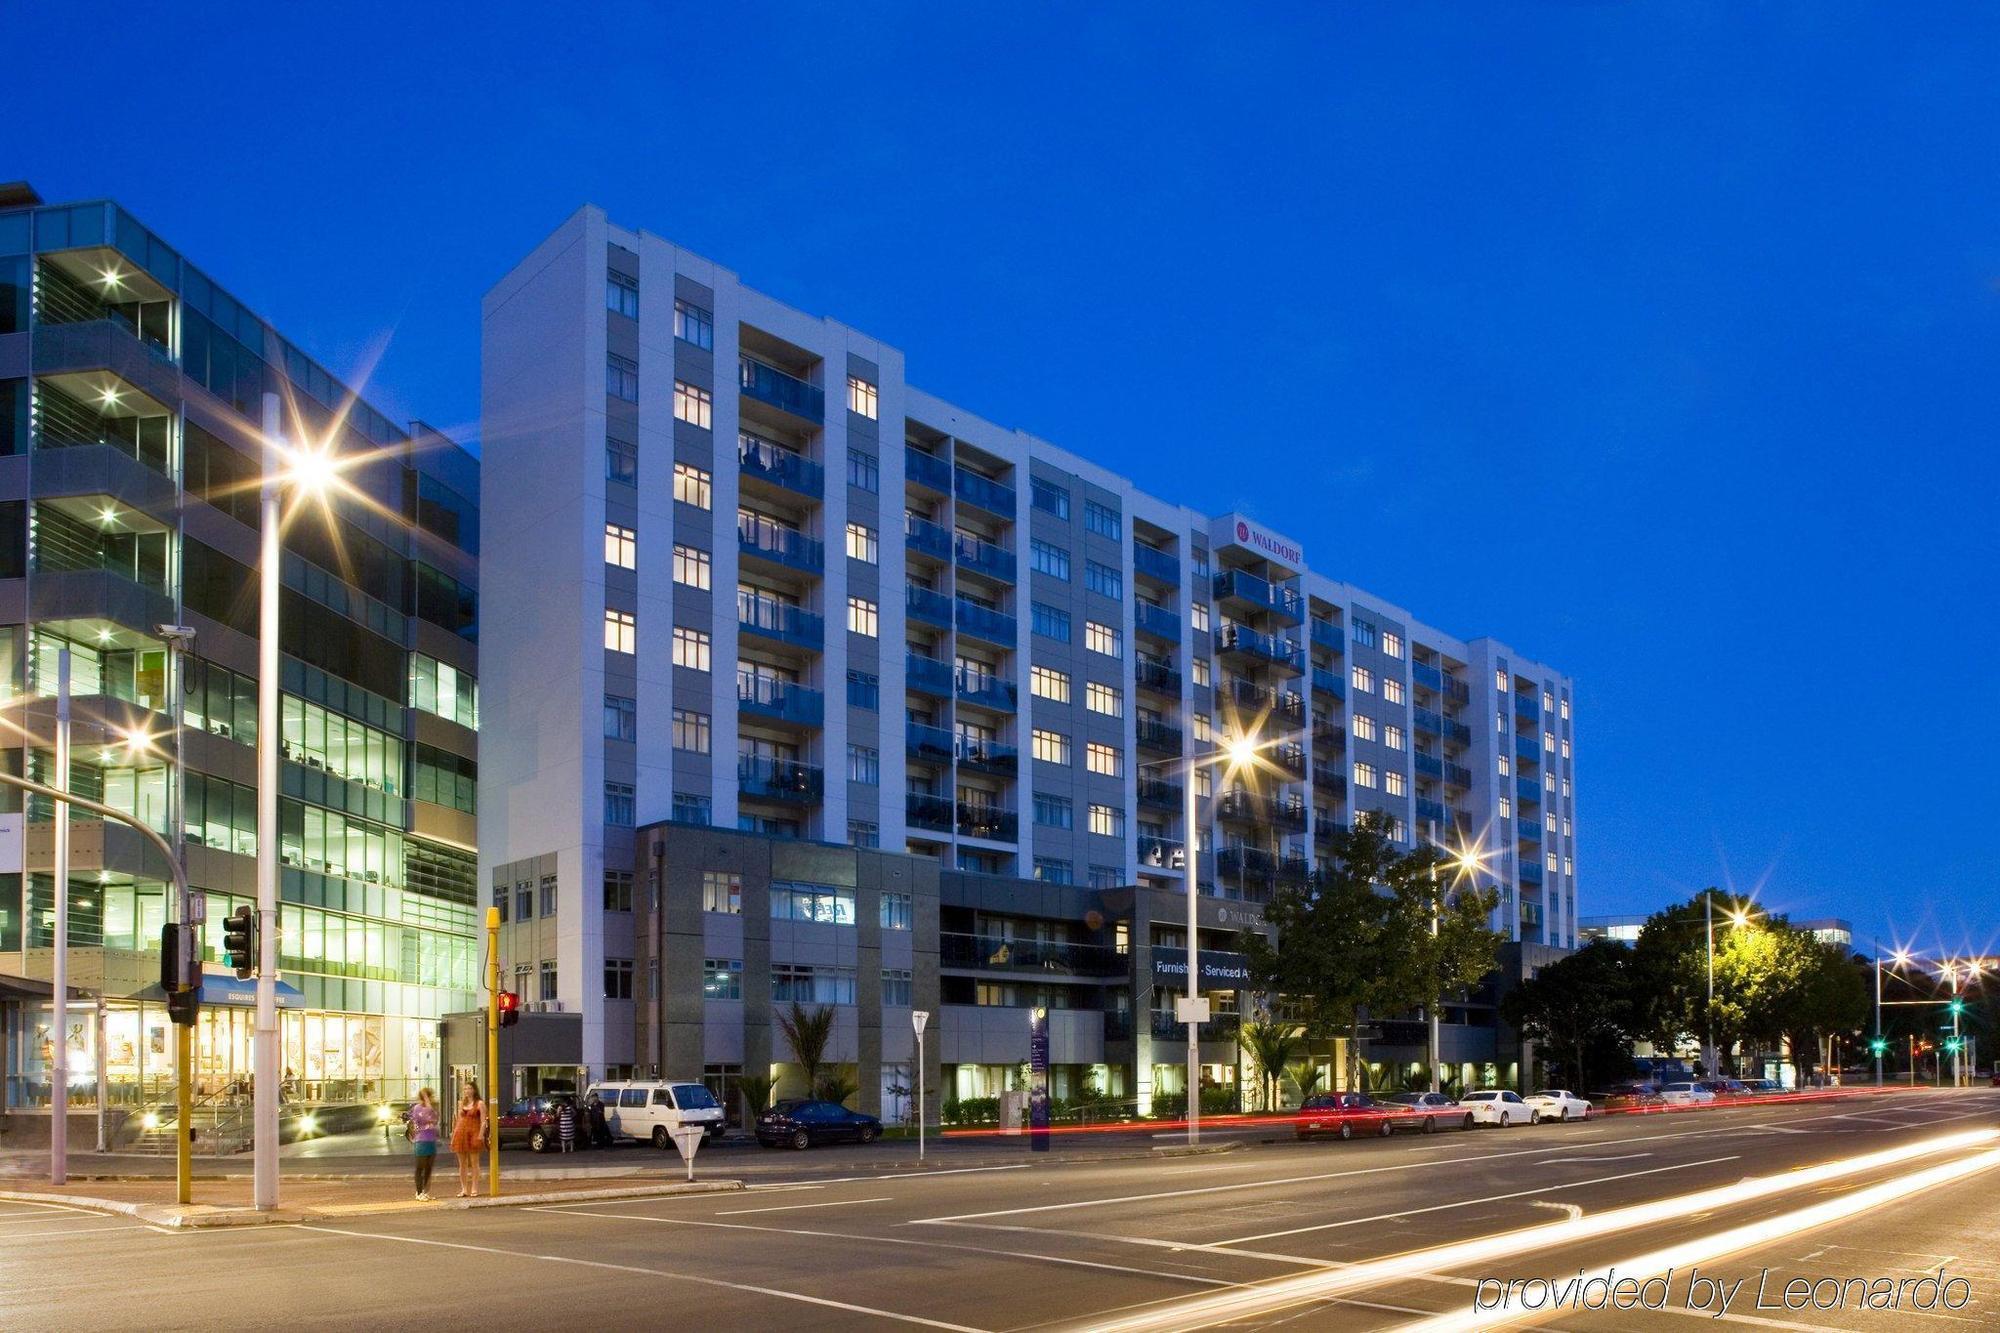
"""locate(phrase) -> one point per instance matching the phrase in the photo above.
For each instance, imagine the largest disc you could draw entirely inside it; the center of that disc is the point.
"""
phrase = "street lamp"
(1463, 861)
(1739, 917)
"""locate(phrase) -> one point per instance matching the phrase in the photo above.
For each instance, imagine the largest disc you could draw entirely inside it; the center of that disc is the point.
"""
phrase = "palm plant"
(807, 1032)
(1271, 1045)
(756, 1092)
(1305, 1076)
(835, 1086)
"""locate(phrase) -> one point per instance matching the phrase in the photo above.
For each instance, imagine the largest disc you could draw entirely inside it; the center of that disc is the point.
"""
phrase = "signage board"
(1237, 530)
(1220, 970)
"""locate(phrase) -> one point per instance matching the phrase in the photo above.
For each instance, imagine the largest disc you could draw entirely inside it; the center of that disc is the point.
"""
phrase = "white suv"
(649, 1111)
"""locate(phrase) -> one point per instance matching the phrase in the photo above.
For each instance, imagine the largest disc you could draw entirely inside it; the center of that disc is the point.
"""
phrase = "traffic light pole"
(1878, 1042)
(265, 1069)
(180, 639)
(492, 1051)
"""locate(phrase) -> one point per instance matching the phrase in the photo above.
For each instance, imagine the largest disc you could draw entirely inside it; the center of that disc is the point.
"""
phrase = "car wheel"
(1430, 1125)
(538, 1139)
(1565, 1115)
(1388, 1128)
(1469, 1121)
(661, 1139)
(1585, 1115)
(1346, 1130)
(870, 1133)
(801, 1140)
(1535, 1117)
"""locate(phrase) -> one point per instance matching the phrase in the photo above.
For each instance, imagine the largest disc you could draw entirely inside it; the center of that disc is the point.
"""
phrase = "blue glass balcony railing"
(1156, 620)
(1326, 634)
(773, 619)
(933, 539)
(927, 470)
(1156, 674)
(788, 393)
(779, 700)
(780, 466)
(1528, 791)
(928, 675)
(1529, 830)
(1429, 765)
(780, 545)
(1159, 793)
(924, 810)
(984, 557)
(1236, 585)
(1528, 749)
(923, 741)
(763, 778)
(1269, 648)
(984, 492)
(984, 756)
(1426, 675)
(1158, 737)
(1430, 812)
(1160, 566)
(1531, 872)
(927, 605)
(1325, 680)
(1528, 706)
(987, 690)
(995, 627)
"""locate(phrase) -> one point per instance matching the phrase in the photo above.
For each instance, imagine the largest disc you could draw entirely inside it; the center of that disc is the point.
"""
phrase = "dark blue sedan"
(801, 1124)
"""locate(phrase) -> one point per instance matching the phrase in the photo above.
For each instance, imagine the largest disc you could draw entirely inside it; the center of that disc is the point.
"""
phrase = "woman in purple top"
(423, 1131)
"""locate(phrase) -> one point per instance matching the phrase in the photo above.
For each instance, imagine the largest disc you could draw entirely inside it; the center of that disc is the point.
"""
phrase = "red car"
(1346, 1114)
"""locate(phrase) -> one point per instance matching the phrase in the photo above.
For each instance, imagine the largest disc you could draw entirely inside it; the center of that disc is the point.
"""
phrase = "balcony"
(1157, 565)
(1430, 812)
(1527, 791)
(783, 622)
(1266, 649)
(1219, 1027)
(786, 468)
(984, 756)
(935, 745)
(927, 470)
(927, 605)
(1426, 676)
(923, 810)
(998, 953)
(1157, 736)
(1249, 698)
(761, 778)
(1438, 725)
(1324, 829)
(1248, 862)
(779, 545)
(1457, 775)
(928, 675)
(1159, 794)
(774, 388)
(1155, 620)
(1326, 634)
(927, 538)
(1529, 830)
(1329, 781)
(779, 700)
(1288, 711)
(1528, 708)
(1329, 737)
(1289, 758)
(1162, 853)
(995, 627)
(1294, 869)
(1327, 681)
(1156, 674)
(1531, 872)
(986, 821)
(1429, 766)
(1244, 590)
(984, 493)
(987, 690)
(1528, 749)
(1282, 812)
(984, 558)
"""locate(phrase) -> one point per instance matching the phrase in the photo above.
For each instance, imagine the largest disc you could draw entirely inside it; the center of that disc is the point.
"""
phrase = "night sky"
(1657, 340)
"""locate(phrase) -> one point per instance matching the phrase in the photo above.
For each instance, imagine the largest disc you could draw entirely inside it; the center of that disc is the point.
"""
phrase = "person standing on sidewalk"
(422, 1118)
(468, 1136)
(566, 1124)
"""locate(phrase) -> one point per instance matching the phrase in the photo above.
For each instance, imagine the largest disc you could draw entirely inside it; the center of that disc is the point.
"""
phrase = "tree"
(807, 1032)
(835, 1086)
(755, 1090)
(1820, 990)
(1447, 961)
(1305, 1076)
(1270, 1044)
(1581, 1006)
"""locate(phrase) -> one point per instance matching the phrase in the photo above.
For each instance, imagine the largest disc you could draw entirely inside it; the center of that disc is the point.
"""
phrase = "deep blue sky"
(1658, 340)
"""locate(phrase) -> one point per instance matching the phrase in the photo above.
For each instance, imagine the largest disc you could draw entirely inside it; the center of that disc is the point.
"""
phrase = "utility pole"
(59, 1072)
(492, 1050)
(265, 1068)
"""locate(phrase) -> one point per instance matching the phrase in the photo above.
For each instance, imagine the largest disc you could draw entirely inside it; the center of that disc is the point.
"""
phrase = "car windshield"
(1406, 1098)
(1325, 1101)
(788, 1106)
(694, 1097)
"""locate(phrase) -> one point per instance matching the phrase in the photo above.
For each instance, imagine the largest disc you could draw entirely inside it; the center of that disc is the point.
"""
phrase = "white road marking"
(1621, 1157)
(119, 1224)
(777, 1292)
(794, 1207)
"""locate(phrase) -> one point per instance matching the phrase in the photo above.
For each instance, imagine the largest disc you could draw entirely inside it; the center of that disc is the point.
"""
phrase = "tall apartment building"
(756, 579)
(131, 388)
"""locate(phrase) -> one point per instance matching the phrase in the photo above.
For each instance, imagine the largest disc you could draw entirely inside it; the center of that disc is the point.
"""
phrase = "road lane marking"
(118, 1224)
(794, 1207)
(1622, 1157)
(751, 1287)
(1470, 1203)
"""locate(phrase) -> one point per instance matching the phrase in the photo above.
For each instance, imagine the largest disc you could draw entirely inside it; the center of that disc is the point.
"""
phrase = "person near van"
(422, 1128)
(600, 1128)
(468, 1136)
(566, 1124)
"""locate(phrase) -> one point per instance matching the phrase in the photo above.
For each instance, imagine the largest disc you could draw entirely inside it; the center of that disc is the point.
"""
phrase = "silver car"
(1428, 1112)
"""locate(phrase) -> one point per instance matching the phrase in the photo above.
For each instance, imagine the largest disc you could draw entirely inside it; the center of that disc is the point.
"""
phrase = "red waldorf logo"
(1242, 532)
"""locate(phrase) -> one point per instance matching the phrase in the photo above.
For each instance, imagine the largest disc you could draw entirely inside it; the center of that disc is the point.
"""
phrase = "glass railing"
(1162, 853)
(1240, 585)
(1529, 830)
(928, 605)
(986, 821)
(1329, 737)
(1326, 634)
(1158, 736)
(1528, 791)
(1531, 872)
(1528, 748)
(1289, 757)
(779, 620)
(927, 469)
(988, 494)
(789, 393)
(1000, 953)
(1328, 681)
(983, 557)
(1528, 706)
(1430, 812)
(1160, 566)
(1426, 675)
(1160, 793)
(987, 690)
(779, 544)
(928, 811)
(1158, 621)
(785, 700)
(1156, 674)
(928, 674)
(924, 741)
(1429, 765)
(984, 623)
(780, 466)
(762, 777)
(987, 756)
(1328, 780)
(1458, 775)
(1269, 647)
(933, 539)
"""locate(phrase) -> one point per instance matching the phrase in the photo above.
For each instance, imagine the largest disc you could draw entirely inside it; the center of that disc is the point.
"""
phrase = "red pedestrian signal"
(510, 1008)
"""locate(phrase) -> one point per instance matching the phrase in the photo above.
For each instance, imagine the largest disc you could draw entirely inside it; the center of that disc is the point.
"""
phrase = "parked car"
(1559, 1104)
(650, 1111)
(531, 1121)
(1344, 1114)
(1761, 1087)
(1996, 1076)
(801, 1124)
(1686, 1094)
(1499, 1106)
(1726, 1089)
(1428, 1110)
(1632, 1096)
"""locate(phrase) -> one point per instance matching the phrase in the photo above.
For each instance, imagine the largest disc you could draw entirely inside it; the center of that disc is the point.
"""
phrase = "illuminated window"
(1565, 708)
(692, 404)
(1201, 676)
(691, 731)
(1506, 807)
(691, 485)
(1548, 742)
(1506, 766)
(1103, 639)
(691, 648)
(1394, 737)
(862, 617)
(1198, 616)
(1364, 680)
(862, 545)
(1392, 644)
(861, 398)
(691, 566)
(1101, 758)
(1364, 775)
(621, 546)
(1364, 727)
(1548, 702)
(1051, 747)
(1048, 683)
(621, 631)
(1101, 698)
(1394, 783)
(1392, 689)
(1107, 821)
(1500, 679)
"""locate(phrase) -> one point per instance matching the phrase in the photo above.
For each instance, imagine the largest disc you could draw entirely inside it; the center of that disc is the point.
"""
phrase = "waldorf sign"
(1236, 530)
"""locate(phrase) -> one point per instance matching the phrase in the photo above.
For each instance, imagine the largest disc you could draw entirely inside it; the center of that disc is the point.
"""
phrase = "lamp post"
(919, 1017)
(1737, 917)
(59, 1071)
(180, 642)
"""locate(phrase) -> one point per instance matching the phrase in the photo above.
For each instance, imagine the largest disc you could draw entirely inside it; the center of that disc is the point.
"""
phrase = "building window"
(1363, 633)
(1198, 616)
(1394, 783)
(1106, 699)
(864, 690)
(1106, 639)
(1050, 622)
(809, 984)
(863, 833)
(721, 978)
(897, 911)
(1048, 683)
(1103, 520)
(1364, 680)
(524, 901)
(1101, 758)
(621, 378)
(617, 890)
(1548, 742)
(862, 617)
(549, 989)
(621, 294)
(1110, 877)
(1048, 497)
(1364, 775)
(822, 903)
(1053, 811)
(621, 718)
(618, 804)
(621, 461)
(1050, 747)
(694, 325)
(692, 486)
(864, 765)
(691, 567)
(722, 891)
(1392, 644)
(1565, 708)
(861, 398)
(693, 405)
(1548, 701)
(1392, 689)
(862, 545)
(621, 631)
(547, 889)
(1394, 737)
(1204, 731)
(691, 648)
(500, 901)
(1054, 870)
(691, 731)
(1565, 747)
(1506, 807)
(1107, 821)
(1364, 727)
(621, 546)
(1103, 580)
(618, 978)
(863, 474)
(1500, 679)
(1200, 673)
(1048, 558)
(896, 987)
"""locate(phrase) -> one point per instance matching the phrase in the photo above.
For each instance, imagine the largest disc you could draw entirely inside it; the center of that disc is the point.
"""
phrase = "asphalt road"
(1407, 1232)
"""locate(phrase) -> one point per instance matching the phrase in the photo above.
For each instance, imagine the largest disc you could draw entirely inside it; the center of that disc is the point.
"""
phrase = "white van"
(649, 1110)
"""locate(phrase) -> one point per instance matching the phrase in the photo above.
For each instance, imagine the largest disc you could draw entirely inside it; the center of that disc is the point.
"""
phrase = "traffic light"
(510, 1008)
(178, 977)
(1957, 1007)
(1952, 1044)
(1878, 1046)
(239, 941)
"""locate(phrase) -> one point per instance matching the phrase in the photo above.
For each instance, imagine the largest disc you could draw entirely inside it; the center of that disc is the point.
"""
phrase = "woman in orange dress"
(468, 1136)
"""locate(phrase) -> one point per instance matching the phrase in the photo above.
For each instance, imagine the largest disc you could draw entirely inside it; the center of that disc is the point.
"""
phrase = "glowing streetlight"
(1738, 916)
